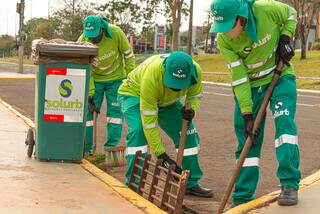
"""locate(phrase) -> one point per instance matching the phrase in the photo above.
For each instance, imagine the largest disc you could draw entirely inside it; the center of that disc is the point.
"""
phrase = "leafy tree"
(37, 28)
(306, 11)
(7, 44)
(67, 22)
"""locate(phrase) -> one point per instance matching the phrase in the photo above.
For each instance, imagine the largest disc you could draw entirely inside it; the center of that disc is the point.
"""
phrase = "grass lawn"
(304, 68)
(15, 59)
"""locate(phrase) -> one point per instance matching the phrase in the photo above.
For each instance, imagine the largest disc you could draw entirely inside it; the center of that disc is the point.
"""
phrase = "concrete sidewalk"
(309, 203)
(30, 186)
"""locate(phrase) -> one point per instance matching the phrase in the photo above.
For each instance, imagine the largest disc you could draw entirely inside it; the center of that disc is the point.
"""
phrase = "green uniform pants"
(283, 107)
(170, 121)
(108, 89)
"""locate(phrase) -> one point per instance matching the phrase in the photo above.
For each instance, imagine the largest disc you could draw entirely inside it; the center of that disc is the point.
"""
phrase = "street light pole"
(190, 28)
(20, 10)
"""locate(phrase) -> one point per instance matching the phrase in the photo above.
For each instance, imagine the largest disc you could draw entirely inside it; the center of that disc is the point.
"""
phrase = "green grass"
(303, 68)
(15, 59)
(309, 67)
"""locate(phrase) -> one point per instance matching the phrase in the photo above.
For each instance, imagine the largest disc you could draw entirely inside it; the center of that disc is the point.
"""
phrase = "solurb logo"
(65, 88)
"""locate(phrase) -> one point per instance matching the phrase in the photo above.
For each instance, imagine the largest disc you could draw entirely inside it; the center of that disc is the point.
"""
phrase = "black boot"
(199, 191)
(288, 196)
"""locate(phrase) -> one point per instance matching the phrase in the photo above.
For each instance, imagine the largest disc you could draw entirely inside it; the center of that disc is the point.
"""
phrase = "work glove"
(248, 127)
(94, 62)
(92, 106)
(285, 51)
(187, 114)
(167, 162)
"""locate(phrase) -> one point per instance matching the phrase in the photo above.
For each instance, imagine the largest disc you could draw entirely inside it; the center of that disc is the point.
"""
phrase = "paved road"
(215, 124)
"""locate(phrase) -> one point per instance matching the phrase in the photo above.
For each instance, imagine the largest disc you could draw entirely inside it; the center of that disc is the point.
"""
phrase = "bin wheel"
(30, 142)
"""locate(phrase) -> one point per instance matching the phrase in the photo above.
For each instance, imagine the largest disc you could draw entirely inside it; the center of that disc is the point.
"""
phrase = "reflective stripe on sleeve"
(129, 56)
(234, 64)
(262, 73)
(240, 81)
(127, 51)
(150, 126)
(149, 112)
(196, 96)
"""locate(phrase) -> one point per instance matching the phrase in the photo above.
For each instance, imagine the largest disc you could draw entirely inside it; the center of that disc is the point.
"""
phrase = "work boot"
(288, 196)
(199, 191)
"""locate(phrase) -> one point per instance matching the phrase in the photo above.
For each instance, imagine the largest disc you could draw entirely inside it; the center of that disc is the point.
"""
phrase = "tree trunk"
(176, 21)
(303, 49)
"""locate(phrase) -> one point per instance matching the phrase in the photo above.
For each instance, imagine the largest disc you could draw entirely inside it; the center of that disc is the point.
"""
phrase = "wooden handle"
(94, 136)
(248, 144)
(184, 129)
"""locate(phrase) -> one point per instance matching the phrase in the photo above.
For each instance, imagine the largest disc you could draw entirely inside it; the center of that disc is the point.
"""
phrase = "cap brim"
(172, 82)
(222, 27)
(91, 33)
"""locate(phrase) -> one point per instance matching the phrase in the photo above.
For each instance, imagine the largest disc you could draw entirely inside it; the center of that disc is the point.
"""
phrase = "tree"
(174, 11)
(37, 28)
(176, 8)
(306, 11)
(124, 13)
(7, 44)
(67, 22)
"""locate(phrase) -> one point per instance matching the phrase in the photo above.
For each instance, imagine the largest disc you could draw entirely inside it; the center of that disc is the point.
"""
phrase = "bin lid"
(64, 48)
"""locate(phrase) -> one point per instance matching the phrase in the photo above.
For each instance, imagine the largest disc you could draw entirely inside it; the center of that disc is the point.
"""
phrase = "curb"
(229, 85)
(17, 78)
(272, 197)
(118, 187)
(121, 189)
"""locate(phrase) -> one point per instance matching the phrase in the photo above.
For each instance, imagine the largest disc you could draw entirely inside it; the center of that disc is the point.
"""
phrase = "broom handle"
(94, 137)
(249, 142)
(184, 129)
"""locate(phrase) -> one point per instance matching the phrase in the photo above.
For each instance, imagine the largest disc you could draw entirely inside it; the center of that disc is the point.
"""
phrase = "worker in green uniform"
(150, 100)
(253, 37)
(114, 61)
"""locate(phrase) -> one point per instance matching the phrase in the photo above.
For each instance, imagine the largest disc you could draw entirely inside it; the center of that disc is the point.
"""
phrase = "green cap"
(225, 13)
(179, 70)
(92, 26)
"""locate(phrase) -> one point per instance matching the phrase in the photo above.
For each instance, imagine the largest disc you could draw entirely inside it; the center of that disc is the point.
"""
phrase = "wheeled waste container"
(61, 92)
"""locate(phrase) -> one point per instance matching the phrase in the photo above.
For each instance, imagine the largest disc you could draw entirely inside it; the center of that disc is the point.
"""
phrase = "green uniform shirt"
(147, 82)
(251, 64)
(115, 57)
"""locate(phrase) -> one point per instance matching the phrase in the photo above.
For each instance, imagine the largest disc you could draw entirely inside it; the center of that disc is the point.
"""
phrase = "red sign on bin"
(56, 71)
(53, 118)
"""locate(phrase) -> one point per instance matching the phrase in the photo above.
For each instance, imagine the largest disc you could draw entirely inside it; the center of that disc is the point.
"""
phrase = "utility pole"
(48, 9)
(190, 28)
(20, 10)
(73, 1)
(208, 32)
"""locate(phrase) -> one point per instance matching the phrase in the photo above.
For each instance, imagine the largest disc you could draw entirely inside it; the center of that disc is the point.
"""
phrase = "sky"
(9, 19)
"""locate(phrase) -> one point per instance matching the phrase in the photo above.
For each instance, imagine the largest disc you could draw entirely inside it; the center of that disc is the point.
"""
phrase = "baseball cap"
(179, 70)
(225, 13)
(91, 26)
